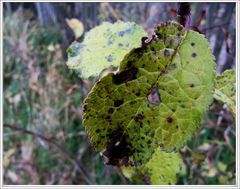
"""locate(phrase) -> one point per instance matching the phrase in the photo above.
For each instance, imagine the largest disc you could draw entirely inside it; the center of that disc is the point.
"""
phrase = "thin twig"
(58, 146)
(214, 26)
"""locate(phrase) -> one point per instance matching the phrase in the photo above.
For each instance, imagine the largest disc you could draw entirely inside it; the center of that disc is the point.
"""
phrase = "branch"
(215, 26)
(184, 14)
(63, 150)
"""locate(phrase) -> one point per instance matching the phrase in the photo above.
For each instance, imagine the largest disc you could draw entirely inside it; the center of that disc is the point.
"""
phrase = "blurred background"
(44, 140)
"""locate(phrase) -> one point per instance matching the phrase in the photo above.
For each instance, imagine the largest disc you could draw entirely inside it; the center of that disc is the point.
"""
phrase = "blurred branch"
(184, 14)
(47, 13)
(107, 6)
(226, 18)
(214, 26)
(58, 146)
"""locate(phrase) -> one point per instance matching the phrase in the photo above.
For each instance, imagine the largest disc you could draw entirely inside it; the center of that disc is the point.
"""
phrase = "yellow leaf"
(225, 89)
(6, 157)
(13, 176)
(51, 47)
(6, 163)
(76, 26)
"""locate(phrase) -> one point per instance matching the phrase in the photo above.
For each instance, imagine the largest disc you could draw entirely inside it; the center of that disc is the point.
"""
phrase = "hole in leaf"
(154, 96)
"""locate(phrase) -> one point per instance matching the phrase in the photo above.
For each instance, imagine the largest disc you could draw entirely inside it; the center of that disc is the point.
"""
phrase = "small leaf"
(156, 100)
(162, 169)
(51, 48)
(13, 176)
(104, 46)
(76, 26)
(222, 166)
(7, 157)
(225, 89)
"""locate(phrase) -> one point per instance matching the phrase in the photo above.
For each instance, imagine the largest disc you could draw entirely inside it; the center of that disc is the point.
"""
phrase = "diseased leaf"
(156, 100)
(161, 169)
(225, 89)
(104, 46)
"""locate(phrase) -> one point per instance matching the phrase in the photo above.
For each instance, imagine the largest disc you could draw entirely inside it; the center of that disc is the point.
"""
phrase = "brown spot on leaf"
(130, 64)
(169, 119)
(174, 66)
(182, 105)
(98, 130)
(110, 110)
(160, 36)
(139, 117)
(179, 28)
(124, 76)
(161, 145)
(118, 149)
(108, 118)
(144, 41)
(155, 52)
(118, 103)
(85, 108)
(138, 93)
(133, 102)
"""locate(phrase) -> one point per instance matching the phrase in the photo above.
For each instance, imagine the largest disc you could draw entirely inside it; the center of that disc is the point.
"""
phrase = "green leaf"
(156, 100)
(104, 46)
(161, 169)
(225, 89)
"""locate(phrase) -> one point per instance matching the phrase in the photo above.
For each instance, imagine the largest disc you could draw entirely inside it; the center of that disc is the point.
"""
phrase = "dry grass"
(41, 95)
